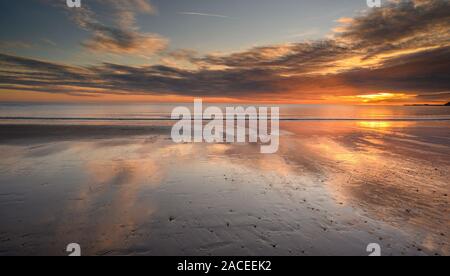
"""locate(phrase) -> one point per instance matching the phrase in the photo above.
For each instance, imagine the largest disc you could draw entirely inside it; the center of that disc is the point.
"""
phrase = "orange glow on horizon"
(290, 98)
(401, 98)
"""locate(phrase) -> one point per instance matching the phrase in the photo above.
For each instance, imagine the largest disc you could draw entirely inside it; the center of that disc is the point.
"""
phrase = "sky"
(286, 51)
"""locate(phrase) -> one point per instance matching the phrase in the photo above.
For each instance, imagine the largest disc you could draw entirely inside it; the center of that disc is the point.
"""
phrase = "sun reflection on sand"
(375, 125)
(384, 125)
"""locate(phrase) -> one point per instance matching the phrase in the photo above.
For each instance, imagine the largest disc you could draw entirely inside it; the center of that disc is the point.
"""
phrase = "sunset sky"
(287, 51)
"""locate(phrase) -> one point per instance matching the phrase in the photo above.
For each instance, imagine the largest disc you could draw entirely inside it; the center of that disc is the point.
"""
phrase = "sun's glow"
(380, 97)
(375, 125)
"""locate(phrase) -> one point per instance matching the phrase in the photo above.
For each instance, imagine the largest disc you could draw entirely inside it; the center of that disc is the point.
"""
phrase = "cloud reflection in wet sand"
(332, 189)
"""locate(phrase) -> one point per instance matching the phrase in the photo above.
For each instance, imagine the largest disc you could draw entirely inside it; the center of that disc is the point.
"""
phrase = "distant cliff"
(447, 104)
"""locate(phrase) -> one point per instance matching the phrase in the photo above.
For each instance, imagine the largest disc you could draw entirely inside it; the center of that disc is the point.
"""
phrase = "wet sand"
(333, 188)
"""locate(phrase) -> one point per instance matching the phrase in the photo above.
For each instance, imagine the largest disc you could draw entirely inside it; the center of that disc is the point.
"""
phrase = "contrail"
(203, 14)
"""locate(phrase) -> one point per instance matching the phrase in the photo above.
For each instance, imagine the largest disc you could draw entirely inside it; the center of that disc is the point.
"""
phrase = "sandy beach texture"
(333, 188)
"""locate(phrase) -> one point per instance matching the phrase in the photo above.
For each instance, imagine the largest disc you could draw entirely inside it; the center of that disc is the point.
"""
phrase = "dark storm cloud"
(404, 47)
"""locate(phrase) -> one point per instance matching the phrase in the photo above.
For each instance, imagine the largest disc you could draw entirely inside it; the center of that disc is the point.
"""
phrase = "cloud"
(398, 25)
(7, 45)
(362, 59)
(119, 41)
(425, 73)
(286, 58)
(126, 11)
(123, 37)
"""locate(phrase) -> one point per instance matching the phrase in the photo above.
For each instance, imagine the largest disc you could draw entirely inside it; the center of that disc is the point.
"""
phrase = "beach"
(224, 128)
(121, 189)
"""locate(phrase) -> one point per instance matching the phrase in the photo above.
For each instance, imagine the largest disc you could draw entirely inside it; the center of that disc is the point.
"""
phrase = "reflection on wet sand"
(110, 202)
(408, 191)
(332, 189)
